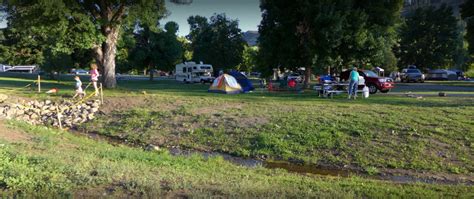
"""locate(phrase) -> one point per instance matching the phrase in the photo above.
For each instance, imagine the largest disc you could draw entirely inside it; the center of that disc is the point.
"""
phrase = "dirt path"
(11, 135)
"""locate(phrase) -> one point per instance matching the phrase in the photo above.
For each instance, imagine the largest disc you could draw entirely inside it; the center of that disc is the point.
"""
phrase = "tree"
(317, 35)
(170, 50)
(292, 34)
(217, 41)
(56, 62)
(249, 59)
(429, 38)
(95, 24)
(162, 49)
(142, 55)
(371, 34)
(188, 51)
(467, 13)
(125, 47)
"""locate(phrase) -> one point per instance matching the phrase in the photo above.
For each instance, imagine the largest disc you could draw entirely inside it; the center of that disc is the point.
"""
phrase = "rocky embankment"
(67, 113)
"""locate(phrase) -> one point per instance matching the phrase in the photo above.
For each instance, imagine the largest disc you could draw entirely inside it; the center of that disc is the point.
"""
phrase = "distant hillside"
(251, 37)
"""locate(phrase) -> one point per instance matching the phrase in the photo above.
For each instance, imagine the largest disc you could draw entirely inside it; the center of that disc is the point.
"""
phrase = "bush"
(470, 73)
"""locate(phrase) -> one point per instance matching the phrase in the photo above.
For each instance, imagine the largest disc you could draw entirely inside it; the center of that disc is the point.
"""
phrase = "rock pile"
(47, 112)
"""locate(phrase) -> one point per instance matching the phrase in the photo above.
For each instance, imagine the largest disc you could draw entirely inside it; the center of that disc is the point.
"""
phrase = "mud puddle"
(316, 170)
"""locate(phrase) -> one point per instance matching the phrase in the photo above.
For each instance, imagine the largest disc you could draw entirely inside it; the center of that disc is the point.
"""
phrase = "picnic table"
(329, 89)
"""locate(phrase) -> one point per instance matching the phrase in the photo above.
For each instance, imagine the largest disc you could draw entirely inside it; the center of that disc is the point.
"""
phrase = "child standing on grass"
(79, 91)
(95, 78)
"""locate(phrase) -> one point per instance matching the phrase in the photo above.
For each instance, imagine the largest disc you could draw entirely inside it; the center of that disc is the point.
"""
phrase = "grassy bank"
(383, 132)
(38, 161)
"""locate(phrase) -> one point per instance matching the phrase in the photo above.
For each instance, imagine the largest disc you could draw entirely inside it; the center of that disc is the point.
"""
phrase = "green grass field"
(385, 134)
(43, 162)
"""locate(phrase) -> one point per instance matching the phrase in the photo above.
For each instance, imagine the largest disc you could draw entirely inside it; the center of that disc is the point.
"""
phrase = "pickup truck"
(372, 80)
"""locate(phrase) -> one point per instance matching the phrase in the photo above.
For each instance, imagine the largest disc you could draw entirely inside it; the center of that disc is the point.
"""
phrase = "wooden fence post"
(101, 94)
(59, 118)
(39, 84)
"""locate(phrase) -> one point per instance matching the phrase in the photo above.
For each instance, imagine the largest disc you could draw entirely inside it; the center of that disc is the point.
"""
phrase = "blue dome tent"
(242, 80)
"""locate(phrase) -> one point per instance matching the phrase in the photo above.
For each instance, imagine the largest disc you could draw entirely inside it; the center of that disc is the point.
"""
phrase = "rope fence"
(81, 100)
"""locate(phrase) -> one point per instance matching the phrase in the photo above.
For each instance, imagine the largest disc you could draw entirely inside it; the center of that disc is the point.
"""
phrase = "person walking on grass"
(94, 78)
(354, 83)
(79, 92)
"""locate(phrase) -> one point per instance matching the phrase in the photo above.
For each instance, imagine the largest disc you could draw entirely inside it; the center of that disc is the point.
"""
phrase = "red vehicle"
(372, 80)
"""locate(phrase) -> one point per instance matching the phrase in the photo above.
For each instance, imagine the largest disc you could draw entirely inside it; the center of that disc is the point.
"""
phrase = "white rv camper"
(23, 69)
(190, 72)
(4, 68)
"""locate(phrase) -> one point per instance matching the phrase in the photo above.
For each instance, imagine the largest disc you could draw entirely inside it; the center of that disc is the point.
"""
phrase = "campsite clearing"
(385, 134)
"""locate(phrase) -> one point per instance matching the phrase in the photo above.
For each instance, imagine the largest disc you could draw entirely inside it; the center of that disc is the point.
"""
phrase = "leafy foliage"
(35, 27)
(160, 50)
(217, 41)
(65, 25)
(321, 34)
(249, 59)
(467, 13)
(429, 38)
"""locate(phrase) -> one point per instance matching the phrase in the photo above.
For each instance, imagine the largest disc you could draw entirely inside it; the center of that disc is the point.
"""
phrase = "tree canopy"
(157, 49)
(65, 25)
(467, 13)
(249, 59)
(429, 38)
(217, 41)
(321, 34)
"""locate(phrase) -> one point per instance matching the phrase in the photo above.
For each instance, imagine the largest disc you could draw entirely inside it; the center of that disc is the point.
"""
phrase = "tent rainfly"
(225, 84)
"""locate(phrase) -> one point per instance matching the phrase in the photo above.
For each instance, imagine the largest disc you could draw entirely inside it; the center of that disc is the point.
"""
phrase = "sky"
(247, 12)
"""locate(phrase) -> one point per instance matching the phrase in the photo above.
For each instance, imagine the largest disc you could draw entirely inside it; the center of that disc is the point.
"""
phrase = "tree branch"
(99, 54)
(118, 15)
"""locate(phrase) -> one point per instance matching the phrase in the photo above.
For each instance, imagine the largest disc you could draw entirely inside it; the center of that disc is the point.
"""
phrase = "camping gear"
(326, 79)
(225, 84)
(292, 83)
(270, 86)
(365, 92)
(52, 91)
(243, 81)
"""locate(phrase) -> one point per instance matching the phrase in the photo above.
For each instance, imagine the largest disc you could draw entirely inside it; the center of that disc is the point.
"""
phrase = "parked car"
(441, 74)
(255, 74)
(459, 73)
(80, 72)
(372, 80)
(412, 75)
(297, 77)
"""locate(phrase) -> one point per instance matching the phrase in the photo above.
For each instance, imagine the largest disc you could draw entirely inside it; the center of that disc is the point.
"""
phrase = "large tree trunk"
(105, 56)
(307, 77)
(151, 73)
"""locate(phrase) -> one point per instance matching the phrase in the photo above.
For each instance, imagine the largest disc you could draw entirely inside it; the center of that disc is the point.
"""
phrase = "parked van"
(190, 72)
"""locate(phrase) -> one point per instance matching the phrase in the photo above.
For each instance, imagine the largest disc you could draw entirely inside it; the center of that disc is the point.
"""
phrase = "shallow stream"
(302, 169)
